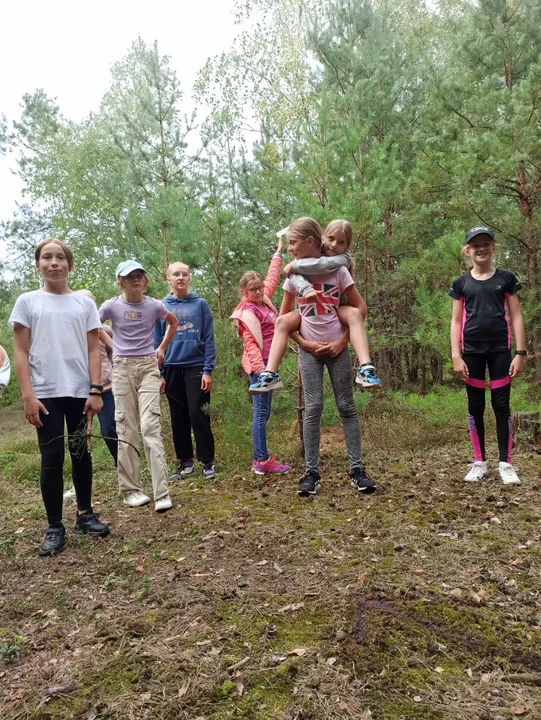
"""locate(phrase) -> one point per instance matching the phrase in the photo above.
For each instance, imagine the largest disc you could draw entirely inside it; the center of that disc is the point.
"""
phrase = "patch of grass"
(10, 650)
(7, 545)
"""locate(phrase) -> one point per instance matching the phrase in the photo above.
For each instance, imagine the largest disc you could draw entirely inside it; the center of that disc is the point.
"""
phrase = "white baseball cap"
(128, 266)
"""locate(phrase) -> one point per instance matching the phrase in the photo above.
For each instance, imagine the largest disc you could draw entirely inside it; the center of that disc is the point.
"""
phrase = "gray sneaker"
(209, 470)
(185, 467)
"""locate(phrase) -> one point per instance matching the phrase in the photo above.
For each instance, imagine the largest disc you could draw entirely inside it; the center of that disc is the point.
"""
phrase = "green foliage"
(411, 122)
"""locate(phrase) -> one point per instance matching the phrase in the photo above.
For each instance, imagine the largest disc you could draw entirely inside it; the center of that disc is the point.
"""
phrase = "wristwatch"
(524, 353)
(97, 387)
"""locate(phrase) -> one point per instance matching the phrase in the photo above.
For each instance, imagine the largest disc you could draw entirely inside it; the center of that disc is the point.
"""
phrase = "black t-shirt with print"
(485, 326)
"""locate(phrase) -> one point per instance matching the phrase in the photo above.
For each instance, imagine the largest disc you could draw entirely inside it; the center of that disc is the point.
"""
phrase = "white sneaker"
(70, 494)
(478, 470)
(135, 498)
(164, 503)
(508, 474)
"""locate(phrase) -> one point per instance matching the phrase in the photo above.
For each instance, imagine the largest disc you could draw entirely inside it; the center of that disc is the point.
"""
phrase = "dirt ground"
(419, 601)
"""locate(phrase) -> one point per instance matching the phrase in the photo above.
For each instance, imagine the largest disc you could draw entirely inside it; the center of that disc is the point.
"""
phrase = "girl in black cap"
(485, 302)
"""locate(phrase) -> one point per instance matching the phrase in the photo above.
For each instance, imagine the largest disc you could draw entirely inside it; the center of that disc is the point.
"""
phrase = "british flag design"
(327, 301)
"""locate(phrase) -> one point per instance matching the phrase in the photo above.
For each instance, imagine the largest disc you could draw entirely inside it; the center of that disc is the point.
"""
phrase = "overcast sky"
(67, 48)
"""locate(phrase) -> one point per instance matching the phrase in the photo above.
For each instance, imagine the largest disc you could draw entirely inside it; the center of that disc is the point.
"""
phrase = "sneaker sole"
(163, 509)
(270, 388)
(369, 489)
(308, 493)
(140, 504)
(364, 384)
(79, 530)
(51, 553)
(270, 472)
(475, 479)
(511, 482)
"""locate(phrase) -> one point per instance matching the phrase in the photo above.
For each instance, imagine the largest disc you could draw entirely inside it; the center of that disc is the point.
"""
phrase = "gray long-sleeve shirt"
(315, 266)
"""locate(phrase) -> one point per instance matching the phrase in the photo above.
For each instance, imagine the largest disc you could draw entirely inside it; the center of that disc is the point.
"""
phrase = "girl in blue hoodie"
(187, 373)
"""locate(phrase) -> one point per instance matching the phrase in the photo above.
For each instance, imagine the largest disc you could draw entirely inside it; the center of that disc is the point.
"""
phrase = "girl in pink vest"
(255, 317)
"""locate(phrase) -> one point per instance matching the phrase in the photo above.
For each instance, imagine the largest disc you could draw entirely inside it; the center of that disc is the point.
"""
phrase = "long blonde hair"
(343, 225)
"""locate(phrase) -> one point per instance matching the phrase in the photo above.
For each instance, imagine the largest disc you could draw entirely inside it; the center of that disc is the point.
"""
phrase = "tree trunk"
(530, 240)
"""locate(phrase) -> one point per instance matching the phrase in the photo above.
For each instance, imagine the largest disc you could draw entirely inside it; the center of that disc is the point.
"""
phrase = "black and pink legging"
(500, 391)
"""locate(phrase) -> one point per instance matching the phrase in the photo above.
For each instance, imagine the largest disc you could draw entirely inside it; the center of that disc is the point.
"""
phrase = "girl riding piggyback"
(335, 244)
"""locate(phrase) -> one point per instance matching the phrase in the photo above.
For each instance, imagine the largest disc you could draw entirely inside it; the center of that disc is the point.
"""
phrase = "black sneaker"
(361, 481)
(89, 524)
(309, 484)
(55, 541)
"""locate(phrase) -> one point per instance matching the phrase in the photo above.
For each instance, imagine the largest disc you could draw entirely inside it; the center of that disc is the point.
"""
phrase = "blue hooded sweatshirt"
(193, 342)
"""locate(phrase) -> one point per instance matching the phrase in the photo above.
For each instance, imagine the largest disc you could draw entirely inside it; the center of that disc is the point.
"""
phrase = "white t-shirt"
(58, 341)
(5, 372)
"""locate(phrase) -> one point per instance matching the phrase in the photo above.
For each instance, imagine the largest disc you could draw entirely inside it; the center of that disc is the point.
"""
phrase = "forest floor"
(419, 601)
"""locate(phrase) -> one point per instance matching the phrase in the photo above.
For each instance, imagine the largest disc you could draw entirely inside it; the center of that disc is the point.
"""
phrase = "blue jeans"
(106, 419)
(262, 410)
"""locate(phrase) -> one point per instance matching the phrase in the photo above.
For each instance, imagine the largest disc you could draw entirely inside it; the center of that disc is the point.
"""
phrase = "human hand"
(313, 347)
(460, 368)
(93, 405)
(32, 409)
(517, 366)
(280, 245)
(333, 348)
(160, 355)
(287, 270)
(162, 386)
(206, 382)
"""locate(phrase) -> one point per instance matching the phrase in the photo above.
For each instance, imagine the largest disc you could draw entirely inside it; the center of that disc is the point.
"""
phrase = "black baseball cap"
(474, 232)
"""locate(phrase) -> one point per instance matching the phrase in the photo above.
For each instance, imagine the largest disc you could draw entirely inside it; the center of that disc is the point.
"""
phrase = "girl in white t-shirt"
(57, 362)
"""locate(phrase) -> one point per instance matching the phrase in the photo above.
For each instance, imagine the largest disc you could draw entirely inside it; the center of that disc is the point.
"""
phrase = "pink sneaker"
(261, 467)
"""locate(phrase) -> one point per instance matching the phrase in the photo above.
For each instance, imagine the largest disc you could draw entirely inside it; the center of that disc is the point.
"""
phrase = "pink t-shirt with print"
(267, 319)
(319, 318)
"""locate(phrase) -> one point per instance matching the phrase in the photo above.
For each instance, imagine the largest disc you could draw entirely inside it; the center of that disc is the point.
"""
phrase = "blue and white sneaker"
(366, 376)
(266, 382)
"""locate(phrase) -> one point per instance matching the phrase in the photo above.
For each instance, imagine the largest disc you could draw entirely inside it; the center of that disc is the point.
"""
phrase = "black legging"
(500, 391)
(52, 456)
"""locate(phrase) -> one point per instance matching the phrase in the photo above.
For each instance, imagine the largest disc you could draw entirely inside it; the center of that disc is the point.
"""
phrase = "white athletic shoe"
(478, 470)
(135, 498)
(70, 494)
(508, 474)
(164, 503)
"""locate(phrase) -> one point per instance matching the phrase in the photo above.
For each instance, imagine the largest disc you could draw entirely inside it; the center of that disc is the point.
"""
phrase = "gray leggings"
(340, 372)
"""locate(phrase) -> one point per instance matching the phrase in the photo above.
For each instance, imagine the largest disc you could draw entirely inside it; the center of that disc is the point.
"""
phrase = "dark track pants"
(189, 408)
(70, 411)
(500, 391)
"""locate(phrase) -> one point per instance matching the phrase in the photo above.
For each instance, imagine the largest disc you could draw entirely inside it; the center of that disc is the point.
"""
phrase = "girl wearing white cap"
(136, 383)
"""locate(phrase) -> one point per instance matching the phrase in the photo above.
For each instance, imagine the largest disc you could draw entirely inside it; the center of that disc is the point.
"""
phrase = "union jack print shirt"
(319, 317)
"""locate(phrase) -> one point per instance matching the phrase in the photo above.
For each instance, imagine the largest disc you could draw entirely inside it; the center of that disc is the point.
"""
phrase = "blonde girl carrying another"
(335, 244)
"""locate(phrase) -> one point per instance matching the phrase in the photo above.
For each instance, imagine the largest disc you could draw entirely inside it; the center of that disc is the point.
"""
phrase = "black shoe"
(55, 541)
(89, 524)
(309, 484)
(361, 481)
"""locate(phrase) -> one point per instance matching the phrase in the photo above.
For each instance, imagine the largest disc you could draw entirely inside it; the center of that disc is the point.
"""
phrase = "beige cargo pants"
(136, 387)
